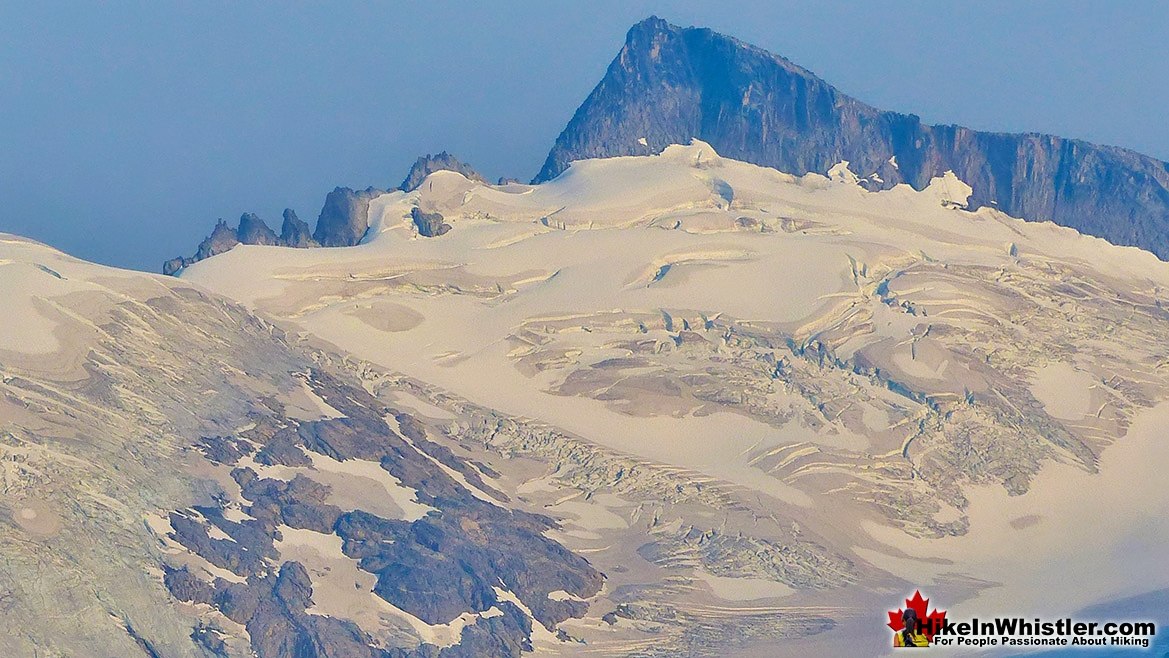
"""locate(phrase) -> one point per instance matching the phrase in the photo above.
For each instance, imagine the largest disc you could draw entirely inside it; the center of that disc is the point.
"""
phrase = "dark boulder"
(429, 224)
(172, 266)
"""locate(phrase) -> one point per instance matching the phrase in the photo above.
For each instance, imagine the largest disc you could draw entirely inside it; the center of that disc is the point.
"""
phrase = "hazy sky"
(126, 129)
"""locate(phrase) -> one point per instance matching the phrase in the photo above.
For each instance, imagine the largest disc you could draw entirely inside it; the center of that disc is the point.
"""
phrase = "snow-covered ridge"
(36, 282)
(692, 189)
(628, 190)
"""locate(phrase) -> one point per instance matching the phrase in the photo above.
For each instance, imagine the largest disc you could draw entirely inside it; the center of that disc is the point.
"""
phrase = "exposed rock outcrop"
(494, 548)
(343, 220)
(295, 232)
(428, 164)
(253, 230)
(175, 264)
(668, 85)
(345, 217)
(429, 224)
(222, 238)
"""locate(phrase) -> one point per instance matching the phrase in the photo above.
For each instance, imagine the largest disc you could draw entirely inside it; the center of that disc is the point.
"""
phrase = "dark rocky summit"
(253, 230)
(295, 232)
(222, 238)
(670, 84)
(428, 164)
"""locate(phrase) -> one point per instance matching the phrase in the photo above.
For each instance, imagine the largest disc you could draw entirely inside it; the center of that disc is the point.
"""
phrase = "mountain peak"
(645, 40)
(442, 161)
(668, 85)
(648, 27)
(253, 230)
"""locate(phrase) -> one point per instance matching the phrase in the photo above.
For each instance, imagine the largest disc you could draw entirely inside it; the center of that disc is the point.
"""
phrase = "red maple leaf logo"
(929, 623)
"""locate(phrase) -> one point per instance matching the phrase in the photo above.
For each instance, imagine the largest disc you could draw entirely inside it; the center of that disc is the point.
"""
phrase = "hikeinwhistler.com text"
(1019, 632)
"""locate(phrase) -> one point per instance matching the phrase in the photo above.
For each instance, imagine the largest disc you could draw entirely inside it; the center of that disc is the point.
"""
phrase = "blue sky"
(128, 128)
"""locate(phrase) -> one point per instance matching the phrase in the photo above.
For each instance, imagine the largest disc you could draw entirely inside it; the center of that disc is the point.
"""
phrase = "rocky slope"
(670, 84)
(254, 501)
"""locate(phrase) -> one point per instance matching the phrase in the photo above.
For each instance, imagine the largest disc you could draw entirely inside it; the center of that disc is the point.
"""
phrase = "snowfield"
(927, 395)
(765, 407)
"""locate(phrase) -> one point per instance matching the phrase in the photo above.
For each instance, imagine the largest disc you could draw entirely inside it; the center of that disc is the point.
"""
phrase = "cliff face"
(253, 230)
(670, 84)
(294, 232)
(344, 218)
